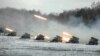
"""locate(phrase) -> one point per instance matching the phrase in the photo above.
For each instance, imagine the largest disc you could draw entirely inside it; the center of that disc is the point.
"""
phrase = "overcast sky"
(46, 5)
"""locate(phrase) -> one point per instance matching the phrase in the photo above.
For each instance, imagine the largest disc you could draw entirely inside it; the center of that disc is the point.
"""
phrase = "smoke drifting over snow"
(23, 21)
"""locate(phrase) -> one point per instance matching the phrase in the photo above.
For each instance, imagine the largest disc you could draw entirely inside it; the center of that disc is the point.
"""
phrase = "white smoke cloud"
(22, 21)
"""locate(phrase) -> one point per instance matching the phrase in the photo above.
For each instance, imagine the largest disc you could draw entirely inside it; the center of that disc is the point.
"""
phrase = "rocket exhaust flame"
(67, 34)
(40, 17)
(66, 37)
(8, 29)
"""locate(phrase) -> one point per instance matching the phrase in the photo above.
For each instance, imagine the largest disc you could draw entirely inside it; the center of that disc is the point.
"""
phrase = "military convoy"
(93, 41)
(9, 32)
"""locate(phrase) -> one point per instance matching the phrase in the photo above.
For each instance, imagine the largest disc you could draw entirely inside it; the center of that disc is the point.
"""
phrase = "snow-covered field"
(13, 46)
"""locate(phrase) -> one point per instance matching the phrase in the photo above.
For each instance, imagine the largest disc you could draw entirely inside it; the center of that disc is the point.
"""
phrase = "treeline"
(87, 15)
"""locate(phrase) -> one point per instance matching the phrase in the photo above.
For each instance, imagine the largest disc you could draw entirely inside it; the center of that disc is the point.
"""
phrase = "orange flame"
(66, 37)
(66, 34)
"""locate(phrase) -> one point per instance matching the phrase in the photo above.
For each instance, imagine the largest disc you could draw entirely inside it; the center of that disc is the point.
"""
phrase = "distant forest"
(87, 15)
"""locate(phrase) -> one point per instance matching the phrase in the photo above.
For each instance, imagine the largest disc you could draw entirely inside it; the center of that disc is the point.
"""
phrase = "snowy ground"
(13, 46)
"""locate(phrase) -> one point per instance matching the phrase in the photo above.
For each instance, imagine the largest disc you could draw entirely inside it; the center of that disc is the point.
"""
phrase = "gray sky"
(46, 5)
